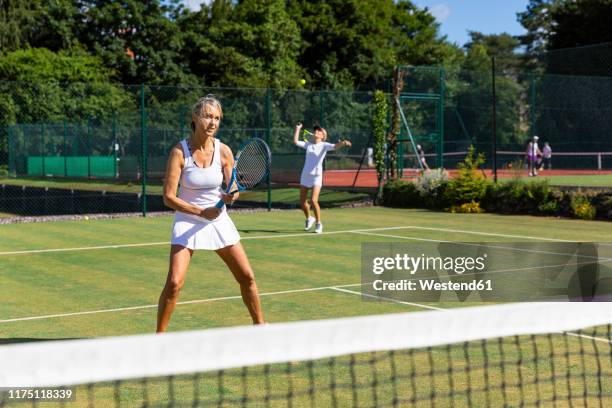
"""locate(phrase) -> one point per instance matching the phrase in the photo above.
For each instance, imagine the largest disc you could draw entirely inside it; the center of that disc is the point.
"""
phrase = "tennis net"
(502, 355)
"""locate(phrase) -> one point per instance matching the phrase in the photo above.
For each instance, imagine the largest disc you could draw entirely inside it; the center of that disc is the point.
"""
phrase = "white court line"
(387, 299)
(301, 234)
(187, 302)
(304, 234)
(478, 245)
(602, 339)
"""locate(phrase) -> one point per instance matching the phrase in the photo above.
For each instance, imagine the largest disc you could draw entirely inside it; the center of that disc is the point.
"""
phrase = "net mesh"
(479, 356)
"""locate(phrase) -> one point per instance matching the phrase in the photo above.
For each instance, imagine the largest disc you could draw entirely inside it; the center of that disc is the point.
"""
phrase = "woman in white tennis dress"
(312, 172)
(197, 167)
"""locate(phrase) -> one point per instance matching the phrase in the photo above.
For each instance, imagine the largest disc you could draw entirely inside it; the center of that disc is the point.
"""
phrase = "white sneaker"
(309, 223)
(319, 228)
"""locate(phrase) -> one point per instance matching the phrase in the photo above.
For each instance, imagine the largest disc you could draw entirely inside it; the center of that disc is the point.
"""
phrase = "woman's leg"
(238, 263)
(179, 263)
(304, 201)
(316, 190)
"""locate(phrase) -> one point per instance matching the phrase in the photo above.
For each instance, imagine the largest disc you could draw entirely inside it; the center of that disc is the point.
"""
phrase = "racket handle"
(220, 204)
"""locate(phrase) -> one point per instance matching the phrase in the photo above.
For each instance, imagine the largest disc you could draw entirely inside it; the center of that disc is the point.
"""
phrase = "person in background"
(546, 157)
(312, 172)
(533, 151)
(421, 154)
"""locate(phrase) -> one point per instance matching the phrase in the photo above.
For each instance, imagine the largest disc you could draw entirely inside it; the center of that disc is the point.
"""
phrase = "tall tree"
(560, 24)
(502, 46)
(350, 43)
(252, 43)
(137, 39)
(16, 19)
(537, 21)
(578, 23)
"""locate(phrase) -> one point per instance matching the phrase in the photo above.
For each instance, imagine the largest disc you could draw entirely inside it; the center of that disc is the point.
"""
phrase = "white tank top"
(201, 186)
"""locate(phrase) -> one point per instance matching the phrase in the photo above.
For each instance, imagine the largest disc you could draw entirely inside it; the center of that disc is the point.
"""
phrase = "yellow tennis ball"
(302, 81)
(86, 218)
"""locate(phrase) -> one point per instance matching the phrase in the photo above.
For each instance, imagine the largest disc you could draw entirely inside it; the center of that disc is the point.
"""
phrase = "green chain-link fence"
(448, 110)
(119, 137)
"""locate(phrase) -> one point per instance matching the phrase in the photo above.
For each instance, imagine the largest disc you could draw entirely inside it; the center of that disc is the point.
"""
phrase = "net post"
(599, 161)
(143, 150)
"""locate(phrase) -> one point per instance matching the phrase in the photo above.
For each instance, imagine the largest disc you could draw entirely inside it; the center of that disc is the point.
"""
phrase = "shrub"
(401, 194)
(603, 205)
(518, 197)
(514, 197)
(472, 207)
(470, 184)
(582, 208)
(431, 186)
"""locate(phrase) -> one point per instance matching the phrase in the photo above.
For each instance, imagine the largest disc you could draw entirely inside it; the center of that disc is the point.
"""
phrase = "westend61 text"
(432, 285)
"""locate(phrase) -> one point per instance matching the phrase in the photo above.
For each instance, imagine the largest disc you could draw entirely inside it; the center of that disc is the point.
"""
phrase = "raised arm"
(342, 143)
(296, 133)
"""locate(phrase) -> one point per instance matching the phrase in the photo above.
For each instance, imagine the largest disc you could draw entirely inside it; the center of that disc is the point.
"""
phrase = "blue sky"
(456, 17)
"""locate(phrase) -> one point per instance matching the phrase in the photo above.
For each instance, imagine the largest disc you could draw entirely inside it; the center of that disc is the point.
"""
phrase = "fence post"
(89, 148)
(182, 113)
(11, 158)
(532, 110)
(494, 120)
(65, 149)
(143, 143)
(115, 146)
(322, 108)
(268, 105)
(440, 158)
(42, 147)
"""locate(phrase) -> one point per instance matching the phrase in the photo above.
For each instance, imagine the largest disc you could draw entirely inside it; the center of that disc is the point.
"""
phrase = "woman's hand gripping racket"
(251, 167)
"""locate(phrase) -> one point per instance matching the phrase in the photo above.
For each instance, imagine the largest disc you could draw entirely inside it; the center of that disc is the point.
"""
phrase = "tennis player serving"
(199, 165)
(312, 172)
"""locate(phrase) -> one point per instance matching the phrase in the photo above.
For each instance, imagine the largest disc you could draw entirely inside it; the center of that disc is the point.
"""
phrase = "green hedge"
(513, 197)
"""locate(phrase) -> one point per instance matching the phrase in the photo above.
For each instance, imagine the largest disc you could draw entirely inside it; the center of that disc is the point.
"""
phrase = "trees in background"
(257, 43)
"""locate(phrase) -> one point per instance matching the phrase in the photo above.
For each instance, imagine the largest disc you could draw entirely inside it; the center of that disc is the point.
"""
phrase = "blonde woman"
(312, 172)
(199, 165)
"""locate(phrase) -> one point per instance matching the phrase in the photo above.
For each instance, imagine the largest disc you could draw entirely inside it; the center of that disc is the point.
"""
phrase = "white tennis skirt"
(309, 180)
(198, 233)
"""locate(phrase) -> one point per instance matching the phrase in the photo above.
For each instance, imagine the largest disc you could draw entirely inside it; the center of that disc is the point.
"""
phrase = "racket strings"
(253, 164)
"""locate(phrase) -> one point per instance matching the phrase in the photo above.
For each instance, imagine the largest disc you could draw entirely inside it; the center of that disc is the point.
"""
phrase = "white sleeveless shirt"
(201, 186)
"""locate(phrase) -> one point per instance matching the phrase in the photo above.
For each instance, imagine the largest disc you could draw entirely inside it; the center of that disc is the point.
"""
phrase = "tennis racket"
(251, 167)
(307, 133)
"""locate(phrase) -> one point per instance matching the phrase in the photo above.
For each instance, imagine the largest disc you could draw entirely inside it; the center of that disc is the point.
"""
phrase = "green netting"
(448, 110)
(590, 60)
(135, 127)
